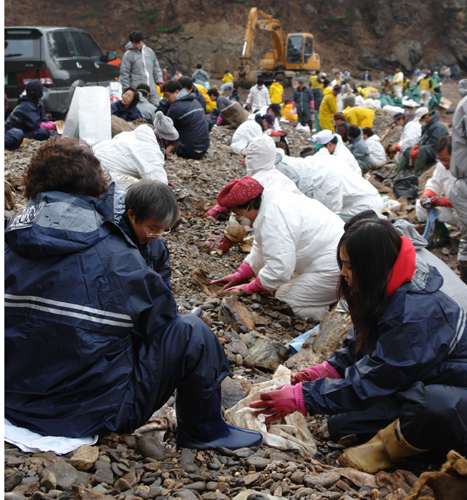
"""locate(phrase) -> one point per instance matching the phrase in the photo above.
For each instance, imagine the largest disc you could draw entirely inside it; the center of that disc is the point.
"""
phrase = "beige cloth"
(289, 433)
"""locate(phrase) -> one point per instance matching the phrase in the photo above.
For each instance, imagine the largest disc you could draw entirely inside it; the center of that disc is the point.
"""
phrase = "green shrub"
(169, 29)
(148, 15)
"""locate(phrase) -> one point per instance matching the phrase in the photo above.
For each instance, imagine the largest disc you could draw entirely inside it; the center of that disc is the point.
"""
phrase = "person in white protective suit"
(258, 96)
(294, 253)
(139, 154)
(377, 153)
(411, 133)
(438, 187)
(259, 160)
(250, 129)
(330, 181)
(335, 146)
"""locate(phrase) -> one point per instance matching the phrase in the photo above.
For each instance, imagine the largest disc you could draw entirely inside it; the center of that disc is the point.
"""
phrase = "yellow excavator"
(289, 54)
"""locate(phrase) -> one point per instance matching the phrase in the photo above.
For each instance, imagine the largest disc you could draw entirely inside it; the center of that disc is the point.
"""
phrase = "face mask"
(400, 127)
(244, 221)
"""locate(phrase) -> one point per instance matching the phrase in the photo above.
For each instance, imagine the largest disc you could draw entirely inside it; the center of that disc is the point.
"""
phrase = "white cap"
(164, 126)
(323, 137)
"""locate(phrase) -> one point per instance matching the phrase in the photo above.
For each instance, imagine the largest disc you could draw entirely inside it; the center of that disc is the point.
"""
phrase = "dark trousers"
(425, 154)
(187, 153)
(40, 134)
(317, 97)
(304, 117)
(431, 417)
(13, 138)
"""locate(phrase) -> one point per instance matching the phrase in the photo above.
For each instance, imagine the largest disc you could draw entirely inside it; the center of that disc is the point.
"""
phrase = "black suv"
(60, 58)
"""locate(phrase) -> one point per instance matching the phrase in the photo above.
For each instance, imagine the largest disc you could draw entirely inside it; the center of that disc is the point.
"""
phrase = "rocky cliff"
(353, 34)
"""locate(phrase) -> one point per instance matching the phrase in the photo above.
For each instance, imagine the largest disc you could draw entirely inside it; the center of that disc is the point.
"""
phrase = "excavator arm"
(266, 23)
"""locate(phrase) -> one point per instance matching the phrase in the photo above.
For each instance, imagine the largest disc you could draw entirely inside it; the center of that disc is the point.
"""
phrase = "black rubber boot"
(201, 426)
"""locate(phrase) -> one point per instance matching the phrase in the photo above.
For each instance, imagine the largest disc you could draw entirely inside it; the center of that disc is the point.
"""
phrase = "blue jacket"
(422, 337)
(360, 151)
(155, 252)
(85, 321)
(127, 114)
(190, 121)
(27, 116)
(433, 131)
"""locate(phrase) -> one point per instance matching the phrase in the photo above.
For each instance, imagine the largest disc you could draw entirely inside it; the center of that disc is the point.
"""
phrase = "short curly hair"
(67, 165)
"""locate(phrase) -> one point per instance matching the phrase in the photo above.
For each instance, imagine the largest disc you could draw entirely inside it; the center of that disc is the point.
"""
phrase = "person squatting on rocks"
(187, 83)
(294, 249)
(140, 65)
(257, 97)
(29, 117)
(357, 146)
(424, 151)
(411, 133)
(215, 116)
(71, 270)
(146, 108)
(302, 99)
(126, 108)
(200, 76)
(250, 129)
(141, 153)
(402, 372)
(189, 119)
(377, 153)
(334, 146)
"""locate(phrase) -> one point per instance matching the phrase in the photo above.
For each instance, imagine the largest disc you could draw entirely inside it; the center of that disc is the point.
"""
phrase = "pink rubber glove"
(220, 243)
(219, 120)
(48, 125)
(254, 287)
(278, 133)
(281, 402)
(244, 272)
(214, 211)
(312, 104)
(323, 370)
(293, 104)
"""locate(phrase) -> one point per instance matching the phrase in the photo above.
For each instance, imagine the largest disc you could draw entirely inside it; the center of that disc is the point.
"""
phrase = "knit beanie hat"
(164, 127)
(238, 192)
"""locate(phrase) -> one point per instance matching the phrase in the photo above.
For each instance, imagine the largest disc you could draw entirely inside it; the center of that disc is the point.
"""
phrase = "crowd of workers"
(87, 260)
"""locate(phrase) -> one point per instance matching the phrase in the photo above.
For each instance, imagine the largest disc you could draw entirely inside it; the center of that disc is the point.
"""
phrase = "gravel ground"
(121, 467)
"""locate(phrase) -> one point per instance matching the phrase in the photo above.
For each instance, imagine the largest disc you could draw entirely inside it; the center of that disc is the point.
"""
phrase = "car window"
(22, 44)
(75, 44)
(294, 49)
(90, 46)
(58, 46)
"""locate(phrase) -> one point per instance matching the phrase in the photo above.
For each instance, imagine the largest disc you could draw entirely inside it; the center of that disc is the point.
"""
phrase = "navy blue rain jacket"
(433, 131)
(27, 116)
(93, 342)
(190, 121)
(127, 114)
(422, 337)
(155, 252)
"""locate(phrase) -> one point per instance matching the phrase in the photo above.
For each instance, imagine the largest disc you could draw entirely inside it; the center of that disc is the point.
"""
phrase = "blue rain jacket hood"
(421, 338)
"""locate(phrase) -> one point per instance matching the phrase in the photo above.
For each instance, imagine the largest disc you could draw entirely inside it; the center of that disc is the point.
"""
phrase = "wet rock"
(186, 457)
(232, 392)
(325, 479)
(237, 315)
(85, 457)
(150, 447)
(268, 353)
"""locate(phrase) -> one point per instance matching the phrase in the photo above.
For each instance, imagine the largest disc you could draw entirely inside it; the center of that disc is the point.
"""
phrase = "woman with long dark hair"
(402, 372)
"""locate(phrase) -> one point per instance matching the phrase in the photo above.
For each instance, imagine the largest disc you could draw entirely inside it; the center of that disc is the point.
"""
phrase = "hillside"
(353, 34)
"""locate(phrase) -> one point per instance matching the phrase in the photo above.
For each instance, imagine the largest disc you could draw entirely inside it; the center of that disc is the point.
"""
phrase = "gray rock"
(237, 315)
(13, 480)
(232, 392)
(14, 496)
(150, 447)
(325, 479)
(297, 477)
(197, 486)
(214, 496)
(186, 494)
(259, 463)
(268, 353)
(66, 475)
(240, 347)
(186, 457)
(103, 476)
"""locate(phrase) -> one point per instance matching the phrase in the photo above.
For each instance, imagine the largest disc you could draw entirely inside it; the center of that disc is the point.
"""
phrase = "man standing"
(316, 86)
(398, 83)
(140, 65)
(367, 76)
(328, 109)
(302, 98)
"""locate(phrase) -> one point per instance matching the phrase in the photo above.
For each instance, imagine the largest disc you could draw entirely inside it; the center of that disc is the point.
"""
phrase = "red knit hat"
(239, 191)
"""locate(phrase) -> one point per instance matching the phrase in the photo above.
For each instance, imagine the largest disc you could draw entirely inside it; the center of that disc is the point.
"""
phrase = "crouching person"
(82, 303)
(294, 249)
(401, 376)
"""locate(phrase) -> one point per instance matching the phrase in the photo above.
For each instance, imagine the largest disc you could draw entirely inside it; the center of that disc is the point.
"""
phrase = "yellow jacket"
(327, 90)
(288, 114)
(367, 90)
(210, 105)
(314, 82)
(276, 91)
(228, 77)
(327, 110)
(424, 84)
(362, 117)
